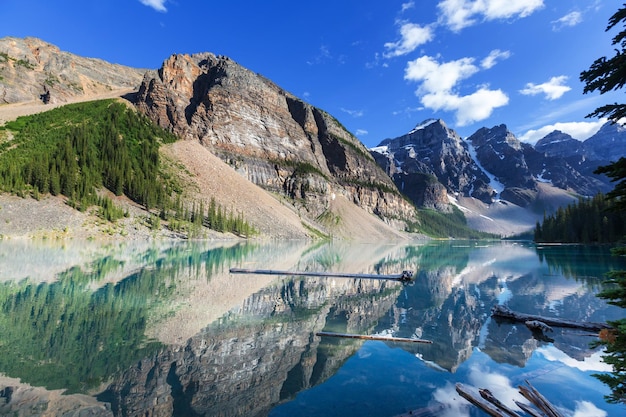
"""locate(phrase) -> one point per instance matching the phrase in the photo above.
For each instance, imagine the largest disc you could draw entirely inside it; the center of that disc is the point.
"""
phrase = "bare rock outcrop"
(269, 136)
(34, 70)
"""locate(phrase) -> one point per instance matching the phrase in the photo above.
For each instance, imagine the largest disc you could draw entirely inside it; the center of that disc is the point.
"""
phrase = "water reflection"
(165, 330)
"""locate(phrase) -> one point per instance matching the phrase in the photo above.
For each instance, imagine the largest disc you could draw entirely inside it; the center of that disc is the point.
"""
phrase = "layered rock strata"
(271, 137)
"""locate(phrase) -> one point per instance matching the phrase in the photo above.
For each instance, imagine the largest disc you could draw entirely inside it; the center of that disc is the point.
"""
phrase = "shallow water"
(165, 329)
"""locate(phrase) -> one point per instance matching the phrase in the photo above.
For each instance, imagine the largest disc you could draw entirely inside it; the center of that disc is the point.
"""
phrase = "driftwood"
(371, 337)
(487, 395)
(494, 407)
(535, 397)
(405, 276)
(538, 326)
(505, 312)
(486, 406)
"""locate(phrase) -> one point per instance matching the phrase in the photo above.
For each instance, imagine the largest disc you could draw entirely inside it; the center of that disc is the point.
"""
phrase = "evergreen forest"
(589, 221)
(78, 149)
(446, 225)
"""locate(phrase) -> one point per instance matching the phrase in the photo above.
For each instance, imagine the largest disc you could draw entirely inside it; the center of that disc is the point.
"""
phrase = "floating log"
(538, 326)
(505, 312)
(405, 276)
(371, 337)
(535, 397)
(486, 406)
(494, 407)
(487, 395)
(529, 410)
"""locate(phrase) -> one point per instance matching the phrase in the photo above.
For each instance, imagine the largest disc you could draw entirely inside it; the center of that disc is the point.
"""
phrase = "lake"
(164, 329)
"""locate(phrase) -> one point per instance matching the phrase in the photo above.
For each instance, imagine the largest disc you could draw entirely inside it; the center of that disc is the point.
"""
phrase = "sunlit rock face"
(237, 368)
(273, 138)
(34, 70)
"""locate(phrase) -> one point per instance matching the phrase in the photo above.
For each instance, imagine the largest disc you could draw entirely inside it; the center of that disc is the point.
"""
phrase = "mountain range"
(434, 166)
(304, 156)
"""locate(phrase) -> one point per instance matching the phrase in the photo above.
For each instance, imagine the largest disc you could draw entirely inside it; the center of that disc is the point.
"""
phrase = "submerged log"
(487, 395)
(535, 397)
(529, 410)
(486, 406)
(505, 312)
(405, 276)
(372, 337)
(494, 407)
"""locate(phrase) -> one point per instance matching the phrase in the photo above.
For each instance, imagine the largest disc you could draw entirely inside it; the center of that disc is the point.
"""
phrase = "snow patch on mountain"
(423, 125)
(493, 181)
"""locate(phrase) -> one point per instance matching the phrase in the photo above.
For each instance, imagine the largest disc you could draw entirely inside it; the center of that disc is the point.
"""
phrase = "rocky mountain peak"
(497, 137)
(268, 135)
(609, 143)
(437, 151)
(559, 144)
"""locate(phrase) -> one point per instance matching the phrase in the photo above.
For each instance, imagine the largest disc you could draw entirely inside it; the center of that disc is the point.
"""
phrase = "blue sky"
(379, 66)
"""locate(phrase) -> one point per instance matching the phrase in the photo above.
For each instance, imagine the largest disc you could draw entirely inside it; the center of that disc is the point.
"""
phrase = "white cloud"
(322, 56)
(361, 132)
(353, 113)
(437, 84)
(469, 108)
(436, 77)
(412, 36)
(587, 409)
(158, 5)
(593, 363)
(407, 6)
(407, 111)
(448, 396)
(553, 88)
(493, 57)
(459, 14)
(499, 385)
(577, 130)
(569, 20)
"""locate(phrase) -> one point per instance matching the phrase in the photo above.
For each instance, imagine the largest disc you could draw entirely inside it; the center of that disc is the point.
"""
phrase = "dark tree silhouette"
(606, 75)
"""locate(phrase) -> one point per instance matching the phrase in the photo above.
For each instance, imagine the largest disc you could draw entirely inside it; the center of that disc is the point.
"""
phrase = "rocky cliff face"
(560, 145)
(436, 151)
(432, 162)
(609, 143)
(31, 69)
(502, 154)
(520, 166)
(274, 139)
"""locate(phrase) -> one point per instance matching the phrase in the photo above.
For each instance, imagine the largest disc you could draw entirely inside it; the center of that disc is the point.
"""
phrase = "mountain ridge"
(343, 194)
(302, 154)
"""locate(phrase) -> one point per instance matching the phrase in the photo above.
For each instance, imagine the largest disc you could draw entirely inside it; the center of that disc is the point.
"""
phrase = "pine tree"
(606, 75)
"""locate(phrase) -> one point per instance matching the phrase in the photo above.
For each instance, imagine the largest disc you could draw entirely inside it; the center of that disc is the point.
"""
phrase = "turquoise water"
(165, 329)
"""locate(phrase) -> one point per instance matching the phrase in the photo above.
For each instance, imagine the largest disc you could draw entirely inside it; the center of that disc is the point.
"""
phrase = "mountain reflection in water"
(158, 329)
